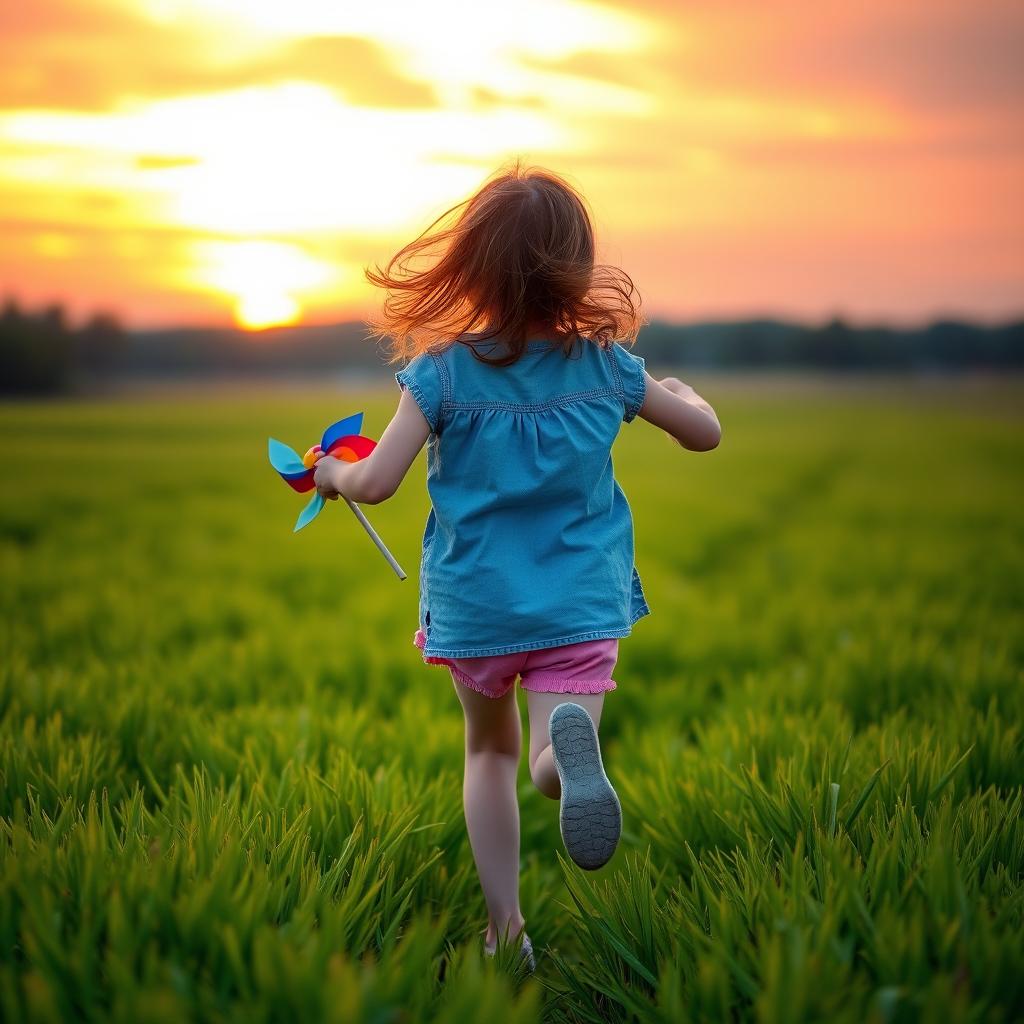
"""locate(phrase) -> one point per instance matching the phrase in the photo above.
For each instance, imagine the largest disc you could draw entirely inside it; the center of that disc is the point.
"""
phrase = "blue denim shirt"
(529, 540)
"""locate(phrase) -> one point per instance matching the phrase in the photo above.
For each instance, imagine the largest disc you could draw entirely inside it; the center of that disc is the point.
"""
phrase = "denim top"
(529, 540)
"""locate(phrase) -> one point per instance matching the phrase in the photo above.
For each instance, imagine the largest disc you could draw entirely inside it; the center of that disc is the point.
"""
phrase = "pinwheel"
(341, 440)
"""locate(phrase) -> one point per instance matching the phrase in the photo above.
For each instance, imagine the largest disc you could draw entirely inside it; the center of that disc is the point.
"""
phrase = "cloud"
(156, 162)
(58, 55)
(356, 67)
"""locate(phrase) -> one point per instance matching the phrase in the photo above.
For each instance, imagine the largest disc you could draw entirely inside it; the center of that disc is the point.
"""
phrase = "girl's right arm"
(681, 413)
(375, 478)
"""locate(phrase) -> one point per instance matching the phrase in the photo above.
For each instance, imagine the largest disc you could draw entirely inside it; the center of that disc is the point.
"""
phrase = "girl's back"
(527, 571)
(529, 541)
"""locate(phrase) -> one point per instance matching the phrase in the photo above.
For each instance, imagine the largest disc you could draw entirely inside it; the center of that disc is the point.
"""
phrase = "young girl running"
(518, 383)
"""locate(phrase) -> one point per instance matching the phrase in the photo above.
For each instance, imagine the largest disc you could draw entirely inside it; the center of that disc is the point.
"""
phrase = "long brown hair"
(514, 258)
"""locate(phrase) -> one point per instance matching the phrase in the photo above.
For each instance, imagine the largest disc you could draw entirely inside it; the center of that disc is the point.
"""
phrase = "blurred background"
(191, 186)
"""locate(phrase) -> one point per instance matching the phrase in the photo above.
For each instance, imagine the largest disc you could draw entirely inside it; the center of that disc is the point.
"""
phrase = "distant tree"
(835, 345)
(101, 343)
(35, 350)
(41, 353)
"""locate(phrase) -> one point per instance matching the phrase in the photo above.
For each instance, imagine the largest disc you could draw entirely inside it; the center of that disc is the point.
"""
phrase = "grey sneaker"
(525, 953)
(590, 815)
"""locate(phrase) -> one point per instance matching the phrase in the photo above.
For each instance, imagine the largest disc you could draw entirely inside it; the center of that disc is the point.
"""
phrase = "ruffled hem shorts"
(572, 668)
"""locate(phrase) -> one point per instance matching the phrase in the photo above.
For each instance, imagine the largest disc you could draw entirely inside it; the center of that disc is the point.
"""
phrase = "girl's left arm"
(376, 478)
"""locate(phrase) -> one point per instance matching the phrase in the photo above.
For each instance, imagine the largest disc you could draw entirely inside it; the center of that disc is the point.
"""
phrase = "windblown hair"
(514, 259)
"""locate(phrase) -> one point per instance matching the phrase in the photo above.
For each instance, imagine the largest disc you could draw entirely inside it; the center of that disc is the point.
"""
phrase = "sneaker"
(525, 953)
(590, 815)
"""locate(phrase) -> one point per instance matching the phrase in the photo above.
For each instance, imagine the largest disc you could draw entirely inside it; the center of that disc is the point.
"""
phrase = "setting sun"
(273, 309)
(264, 278)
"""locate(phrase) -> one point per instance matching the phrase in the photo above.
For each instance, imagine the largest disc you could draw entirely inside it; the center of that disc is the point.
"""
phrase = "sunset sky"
(219, 161)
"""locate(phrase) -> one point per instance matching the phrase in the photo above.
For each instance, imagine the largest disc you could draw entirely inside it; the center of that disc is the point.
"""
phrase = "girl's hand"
(666, 414)
(325, 476)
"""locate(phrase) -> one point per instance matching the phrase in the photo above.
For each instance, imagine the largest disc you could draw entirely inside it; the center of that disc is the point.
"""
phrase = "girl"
(527, 571)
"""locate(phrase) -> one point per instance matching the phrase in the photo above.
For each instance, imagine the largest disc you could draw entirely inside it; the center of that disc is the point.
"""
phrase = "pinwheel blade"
(357, 446)
(349, 425)
(310, 512)
(284, 459)
(303, 483)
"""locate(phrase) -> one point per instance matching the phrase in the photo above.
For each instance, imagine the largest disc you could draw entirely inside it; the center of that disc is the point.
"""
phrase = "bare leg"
(542, 765)
(494, 738)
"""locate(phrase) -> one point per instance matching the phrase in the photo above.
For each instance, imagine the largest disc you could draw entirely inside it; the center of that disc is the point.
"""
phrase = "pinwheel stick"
(373, 536)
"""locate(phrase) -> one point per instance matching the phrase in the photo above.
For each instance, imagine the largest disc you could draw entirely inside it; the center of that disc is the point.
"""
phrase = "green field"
(232, 791)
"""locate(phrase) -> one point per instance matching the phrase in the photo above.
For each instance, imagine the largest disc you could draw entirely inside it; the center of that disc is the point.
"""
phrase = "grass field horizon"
(231, 790)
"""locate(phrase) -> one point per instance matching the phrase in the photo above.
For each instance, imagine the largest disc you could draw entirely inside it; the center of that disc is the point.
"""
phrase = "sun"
(258, 310)
(265, 279)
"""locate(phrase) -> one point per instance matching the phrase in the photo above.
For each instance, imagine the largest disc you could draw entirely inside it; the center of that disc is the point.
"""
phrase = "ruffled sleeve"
(423, 379)
(633, 379)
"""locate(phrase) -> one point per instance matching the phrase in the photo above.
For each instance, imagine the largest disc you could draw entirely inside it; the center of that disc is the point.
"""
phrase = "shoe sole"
(590, 816)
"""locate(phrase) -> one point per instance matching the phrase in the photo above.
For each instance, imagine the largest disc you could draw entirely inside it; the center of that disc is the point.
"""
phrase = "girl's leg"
(542, 765)
(493, 747)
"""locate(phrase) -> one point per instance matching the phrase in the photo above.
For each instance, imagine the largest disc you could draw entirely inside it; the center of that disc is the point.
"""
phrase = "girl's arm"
(375, 478)
(681, 413)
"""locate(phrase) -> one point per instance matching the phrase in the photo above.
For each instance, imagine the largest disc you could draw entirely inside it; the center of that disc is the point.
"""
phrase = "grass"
(231, 790)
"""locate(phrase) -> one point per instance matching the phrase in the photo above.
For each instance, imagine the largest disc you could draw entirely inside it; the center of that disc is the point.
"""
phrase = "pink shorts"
(572, 668)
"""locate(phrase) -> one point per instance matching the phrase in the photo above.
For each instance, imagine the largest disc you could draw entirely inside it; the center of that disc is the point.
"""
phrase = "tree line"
(40, 352)
(836, 345)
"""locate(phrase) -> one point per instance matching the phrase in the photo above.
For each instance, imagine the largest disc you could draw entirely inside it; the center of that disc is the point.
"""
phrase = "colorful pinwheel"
(341, 440)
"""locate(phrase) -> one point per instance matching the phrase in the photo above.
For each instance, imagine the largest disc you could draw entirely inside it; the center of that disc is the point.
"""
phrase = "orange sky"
(210, 161)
